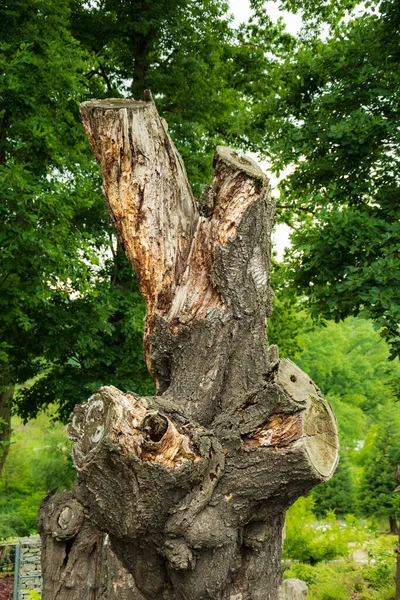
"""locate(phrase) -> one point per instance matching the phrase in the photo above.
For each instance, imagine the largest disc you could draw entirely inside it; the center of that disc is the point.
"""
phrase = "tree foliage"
(382, 456)
(337, 494)
(288, 321)
(349, 362)
(49, 228)
(72, 312)
(39, 460)
(202, 71)
(334, 119)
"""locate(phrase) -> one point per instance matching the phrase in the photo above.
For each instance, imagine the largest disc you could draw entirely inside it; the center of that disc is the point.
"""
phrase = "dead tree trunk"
(192, 485)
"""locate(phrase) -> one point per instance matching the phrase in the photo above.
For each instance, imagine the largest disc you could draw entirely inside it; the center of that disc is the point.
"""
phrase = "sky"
(241, 11)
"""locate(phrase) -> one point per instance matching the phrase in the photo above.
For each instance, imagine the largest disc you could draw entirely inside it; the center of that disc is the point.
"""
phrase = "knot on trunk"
(63, 517)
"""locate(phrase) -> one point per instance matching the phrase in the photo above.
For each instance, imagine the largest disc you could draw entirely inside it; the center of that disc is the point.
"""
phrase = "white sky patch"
(281, 232)
(280, 240)
(241, 12)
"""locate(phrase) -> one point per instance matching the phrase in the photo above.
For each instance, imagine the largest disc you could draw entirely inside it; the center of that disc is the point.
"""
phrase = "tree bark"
(192, 485)
(6, 398)
(77, 561)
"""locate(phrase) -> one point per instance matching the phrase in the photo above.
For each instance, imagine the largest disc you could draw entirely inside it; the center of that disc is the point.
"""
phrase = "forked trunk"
(192, 485)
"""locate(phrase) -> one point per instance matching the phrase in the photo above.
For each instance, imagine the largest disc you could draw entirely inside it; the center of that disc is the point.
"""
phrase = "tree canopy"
(49, 228)
(333, 120)
(377, 496)
(72, 312)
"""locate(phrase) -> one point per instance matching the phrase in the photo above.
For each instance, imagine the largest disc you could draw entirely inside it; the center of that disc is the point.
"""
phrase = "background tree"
(47, 216)
(338, 494)
(289, 321)
(202, 71)
(382, 455)
(350, 361)
(333, 116)
(39, 460)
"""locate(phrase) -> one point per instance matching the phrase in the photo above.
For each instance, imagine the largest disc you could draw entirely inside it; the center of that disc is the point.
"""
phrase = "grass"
(321, 554)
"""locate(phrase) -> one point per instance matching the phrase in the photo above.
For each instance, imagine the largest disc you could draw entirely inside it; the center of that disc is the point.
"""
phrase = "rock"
(293, 589)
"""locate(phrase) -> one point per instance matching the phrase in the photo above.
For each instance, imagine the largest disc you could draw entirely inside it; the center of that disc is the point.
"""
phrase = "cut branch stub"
(70, 549)
(77, 562)
(129, 438)
(64, 517)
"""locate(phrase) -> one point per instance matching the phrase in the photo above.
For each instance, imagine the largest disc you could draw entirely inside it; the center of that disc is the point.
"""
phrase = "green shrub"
(308, 542)
(39, 460)
(379, 575)
(34, 595)
(332, 590)
(315, 543)
(301, 571)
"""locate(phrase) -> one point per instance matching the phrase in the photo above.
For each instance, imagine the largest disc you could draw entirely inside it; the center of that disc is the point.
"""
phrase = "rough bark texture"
(6, 398)
(192, 485)
(77, 562)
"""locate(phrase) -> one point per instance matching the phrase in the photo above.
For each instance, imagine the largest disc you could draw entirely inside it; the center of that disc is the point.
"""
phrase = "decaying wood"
(77, 562)
(192, 486)
(207, 275)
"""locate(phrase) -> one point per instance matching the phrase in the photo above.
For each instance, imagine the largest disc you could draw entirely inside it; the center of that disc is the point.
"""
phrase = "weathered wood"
(202, 497)
(204, 278)
(77, 561)
(192, 485)
(71, 548)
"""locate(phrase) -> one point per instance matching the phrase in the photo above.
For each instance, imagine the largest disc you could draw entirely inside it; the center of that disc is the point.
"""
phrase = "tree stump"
(192, 485)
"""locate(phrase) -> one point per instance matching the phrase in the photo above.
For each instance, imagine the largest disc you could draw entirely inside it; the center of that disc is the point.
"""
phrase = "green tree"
(288, 322)
(202, 71)
(382, 456)
(337, 494)
(349, 362)
(67, 325)
(73, 315)
(91, 340)
(333, 117)
(46, 224)
(39, 460)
